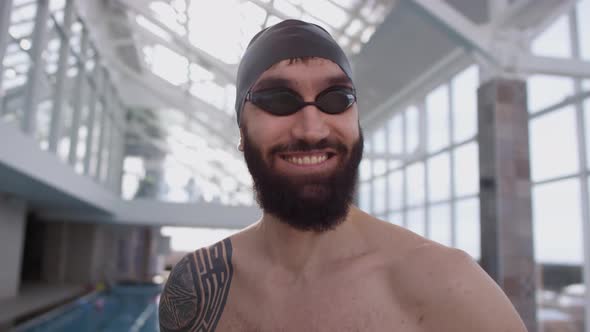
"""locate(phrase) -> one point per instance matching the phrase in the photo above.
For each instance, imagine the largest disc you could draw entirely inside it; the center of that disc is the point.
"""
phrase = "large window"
(558, 134)
(422, 171)
(50, 89)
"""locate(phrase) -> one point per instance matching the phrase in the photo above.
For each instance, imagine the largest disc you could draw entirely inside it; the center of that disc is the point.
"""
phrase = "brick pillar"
(505, 196)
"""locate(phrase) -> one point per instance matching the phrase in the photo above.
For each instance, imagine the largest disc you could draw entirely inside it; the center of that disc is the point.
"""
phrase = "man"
(314, 262)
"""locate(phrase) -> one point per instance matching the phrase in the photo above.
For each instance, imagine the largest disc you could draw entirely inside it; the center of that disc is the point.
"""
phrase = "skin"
(365, 275)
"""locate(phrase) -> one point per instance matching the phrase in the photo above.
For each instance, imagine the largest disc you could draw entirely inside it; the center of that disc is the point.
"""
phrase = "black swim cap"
(285, 40)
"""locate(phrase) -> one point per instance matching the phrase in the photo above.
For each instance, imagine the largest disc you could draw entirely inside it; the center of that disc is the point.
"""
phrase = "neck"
(297, 251)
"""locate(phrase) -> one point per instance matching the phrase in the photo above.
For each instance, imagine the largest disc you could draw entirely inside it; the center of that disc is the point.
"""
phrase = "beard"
(318, 202)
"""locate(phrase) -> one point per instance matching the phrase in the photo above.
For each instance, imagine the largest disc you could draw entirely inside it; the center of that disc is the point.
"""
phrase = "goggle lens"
(285, 102)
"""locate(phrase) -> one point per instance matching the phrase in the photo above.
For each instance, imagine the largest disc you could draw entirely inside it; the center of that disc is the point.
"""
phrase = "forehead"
(309, 70)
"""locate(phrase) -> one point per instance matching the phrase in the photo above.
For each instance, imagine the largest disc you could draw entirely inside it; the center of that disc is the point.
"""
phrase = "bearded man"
(315, 262)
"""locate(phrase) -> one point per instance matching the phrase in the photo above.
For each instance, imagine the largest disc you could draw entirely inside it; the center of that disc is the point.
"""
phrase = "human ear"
(241, 142)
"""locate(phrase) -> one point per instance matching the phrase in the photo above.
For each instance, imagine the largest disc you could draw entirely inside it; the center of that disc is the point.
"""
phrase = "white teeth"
(307, 160)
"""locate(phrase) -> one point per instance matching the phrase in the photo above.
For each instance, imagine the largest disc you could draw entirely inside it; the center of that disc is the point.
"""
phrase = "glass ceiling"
(196, 45)
(188, 31)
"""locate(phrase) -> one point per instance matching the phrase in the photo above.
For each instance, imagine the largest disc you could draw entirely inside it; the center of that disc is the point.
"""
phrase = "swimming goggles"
(284, 101)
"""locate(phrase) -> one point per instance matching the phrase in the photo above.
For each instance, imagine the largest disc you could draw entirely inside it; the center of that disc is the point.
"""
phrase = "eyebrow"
(339, 80)
(271, 82)
(276, 82)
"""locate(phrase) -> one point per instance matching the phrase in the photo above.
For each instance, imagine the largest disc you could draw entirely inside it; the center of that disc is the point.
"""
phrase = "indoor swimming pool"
(123, 308)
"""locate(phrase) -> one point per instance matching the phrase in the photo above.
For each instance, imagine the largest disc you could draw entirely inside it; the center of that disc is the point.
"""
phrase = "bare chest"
(365, 304)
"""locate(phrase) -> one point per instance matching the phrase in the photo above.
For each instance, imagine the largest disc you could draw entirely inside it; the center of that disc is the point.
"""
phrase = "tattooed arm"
(197, 288)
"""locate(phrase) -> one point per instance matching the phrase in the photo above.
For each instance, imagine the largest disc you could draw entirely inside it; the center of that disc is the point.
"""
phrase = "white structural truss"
(503, 46)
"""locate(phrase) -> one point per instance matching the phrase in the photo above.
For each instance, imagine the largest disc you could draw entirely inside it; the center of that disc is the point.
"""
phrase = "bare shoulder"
(443, 288)
(196, 291)
(451, 292)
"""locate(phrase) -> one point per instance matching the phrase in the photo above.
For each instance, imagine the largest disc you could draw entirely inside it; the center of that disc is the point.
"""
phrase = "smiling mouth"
(307, 159)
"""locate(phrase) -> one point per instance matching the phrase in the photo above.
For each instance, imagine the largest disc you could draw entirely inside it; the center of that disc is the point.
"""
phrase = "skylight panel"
(53, 45)
(204, 117)
(287, 8)
(167, 15)
(18, 3)
(210, 92)
(367, 34)
(55, 5)
(12, 82)
(326, 11)
(215, 30)
(151, 27)
(313, 19)
(343, 41)
(374, 14)
(21, 30)
(354, 27)
(252, 12)
(11, 60)
(24, 13)
(348, 4)
(169, 65)
(356, 47)
(230, 98)
(178, 5)
(272, 20)
(198, 73)
(253, 17)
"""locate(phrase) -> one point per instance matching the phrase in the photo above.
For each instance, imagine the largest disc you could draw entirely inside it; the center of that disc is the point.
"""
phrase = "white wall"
(12, 236)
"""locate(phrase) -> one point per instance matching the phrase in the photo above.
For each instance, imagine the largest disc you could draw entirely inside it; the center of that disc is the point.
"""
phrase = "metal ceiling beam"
(442, 15)
(509, 14)
(535, 64)
(430, 79)
(553, 11)
(505, 54)
(158, 213)
(153, 38)
(533, 15)
(270, 9)
(185, 102)
(227, 70)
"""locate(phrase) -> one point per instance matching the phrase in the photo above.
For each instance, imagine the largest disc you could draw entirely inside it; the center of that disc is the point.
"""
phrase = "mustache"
(305, 146)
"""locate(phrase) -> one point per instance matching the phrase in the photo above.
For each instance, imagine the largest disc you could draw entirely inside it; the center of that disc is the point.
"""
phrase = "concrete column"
(505, 196)
(137, 253)
(107, 254)
(12, 237)
(153, 252)
(78, 253)
(55, 253)
(127, 239)
(83, 241)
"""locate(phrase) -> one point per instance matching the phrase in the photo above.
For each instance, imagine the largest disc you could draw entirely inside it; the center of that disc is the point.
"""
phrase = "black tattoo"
(196, 292)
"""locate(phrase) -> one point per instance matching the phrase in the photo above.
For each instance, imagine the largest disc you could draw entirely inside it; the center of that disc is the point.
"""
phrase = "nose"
(310, 125)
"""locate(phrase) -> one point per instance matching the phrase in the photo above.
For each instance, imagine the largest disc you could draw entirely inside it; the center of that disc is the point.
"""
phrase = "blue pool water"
(122, 309)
